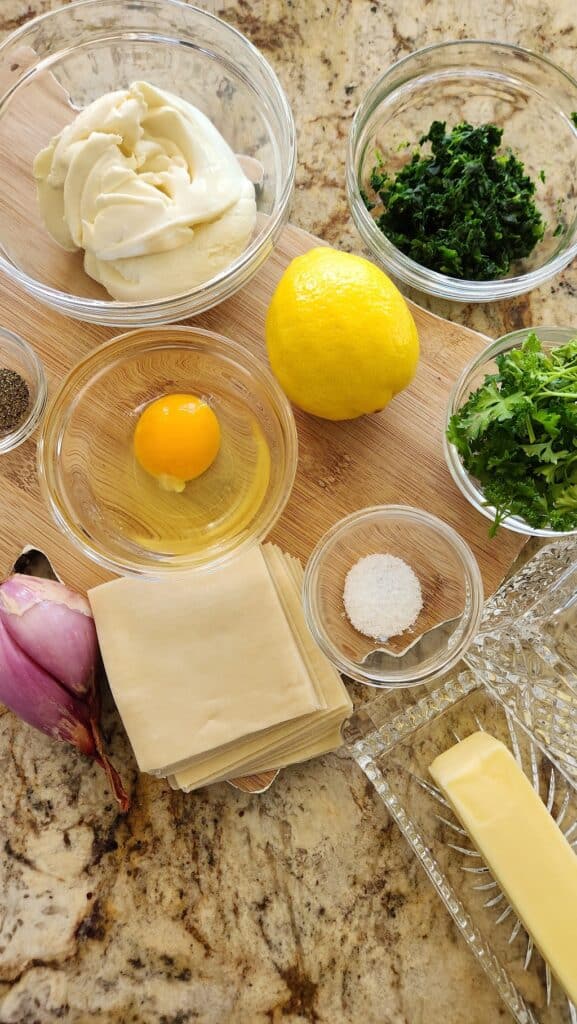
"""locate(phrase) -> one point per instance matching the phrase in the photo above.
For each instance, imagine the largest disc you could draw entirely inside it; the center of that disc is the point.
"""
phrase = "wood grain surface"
(395, 456)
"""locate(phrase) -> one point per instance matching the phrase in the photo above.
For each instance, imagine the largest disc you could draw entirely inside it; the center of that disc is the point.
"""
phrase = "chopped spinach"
(464, 210)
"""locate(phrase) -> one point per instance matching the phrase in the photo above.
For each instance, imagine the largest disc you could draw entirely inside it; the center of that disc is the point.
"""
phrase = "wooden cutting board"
(395, 456)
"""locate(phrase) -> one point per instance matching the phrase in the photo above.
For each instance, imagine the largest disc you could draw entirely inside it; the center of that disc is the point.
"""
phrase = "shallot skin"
(54, 625)
(36, 697)
(48, 661)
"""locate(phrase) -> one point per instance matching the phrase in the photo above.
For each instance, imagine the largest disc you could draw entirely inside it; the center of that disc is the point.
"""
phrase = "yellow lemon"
(340, 337)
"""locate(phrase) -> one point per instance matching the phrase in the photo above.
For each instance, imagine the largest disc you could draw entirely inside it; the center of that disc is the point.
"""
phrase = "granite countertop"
(302, 904)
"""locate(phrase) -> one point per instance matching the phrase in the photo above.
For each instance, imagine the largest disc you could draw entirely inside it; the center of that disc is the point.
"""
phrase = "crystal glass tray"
(394, 740)
(526, 650)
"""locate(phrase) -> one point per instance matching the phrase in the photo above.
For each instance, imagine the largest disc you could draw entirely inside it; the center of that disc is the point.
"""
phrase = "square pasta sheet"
(214, 673)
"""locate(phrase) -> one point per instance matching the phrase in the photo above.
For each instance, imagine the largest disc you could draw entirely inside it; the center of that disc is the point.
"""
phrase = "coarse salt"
(382, 596)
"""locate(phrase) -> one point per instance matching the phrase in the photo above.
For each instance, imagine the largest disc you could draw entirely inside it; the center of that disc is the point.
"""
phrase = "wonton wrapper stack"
(215, 673)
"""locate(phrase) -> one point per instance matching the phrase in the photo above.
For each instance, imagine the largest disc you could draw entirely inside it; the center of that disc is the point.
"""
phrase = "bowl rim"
(412, 676)
(13, 439)
(50, 437)
(161, 310)
(402, 266)
(461, 477)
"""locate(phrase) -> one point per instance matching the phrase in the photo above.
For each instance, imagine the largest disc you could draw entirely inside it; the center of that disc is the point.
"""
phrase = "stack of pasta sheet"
(215, 673)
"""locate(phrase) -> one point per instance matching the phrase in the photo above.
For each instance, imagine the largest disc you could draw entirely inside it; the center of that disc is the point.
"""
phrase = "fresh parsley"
(464, 210)
(517, 435)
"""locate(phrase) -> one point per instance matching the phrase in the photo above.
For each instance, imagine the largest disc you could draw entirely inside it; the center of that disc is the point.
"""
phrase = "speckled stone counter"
(302, 904)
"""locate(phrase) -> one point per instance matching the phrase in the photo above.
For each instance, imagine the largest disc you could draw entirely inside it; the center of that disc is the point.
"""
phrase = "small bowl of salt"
(393, 596)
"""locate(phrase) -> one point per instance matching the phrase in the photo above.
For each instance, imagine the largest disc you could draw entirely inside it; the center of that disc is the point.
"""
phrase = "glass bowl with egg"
(148, 160)
(393, 596)
(527, 97)
(167, 448)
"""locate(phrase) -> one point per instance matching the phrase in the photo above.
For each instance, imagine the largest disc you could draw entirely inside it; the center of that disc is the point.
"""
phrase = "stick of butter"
(521, 844)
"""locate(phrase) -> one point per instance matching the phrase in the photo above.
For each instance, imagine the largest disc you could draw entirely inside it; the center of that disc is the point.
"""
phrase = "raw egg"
(177, 438)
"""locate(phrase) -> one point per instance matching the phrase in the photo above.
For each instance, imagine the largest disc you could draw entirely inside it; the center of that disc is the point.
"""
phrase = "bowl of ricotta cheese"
(149, 160)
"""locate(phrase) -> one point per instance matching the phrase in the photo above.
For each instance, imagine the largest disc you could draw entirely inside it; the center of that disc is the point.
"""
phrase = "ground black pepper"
(14, 399)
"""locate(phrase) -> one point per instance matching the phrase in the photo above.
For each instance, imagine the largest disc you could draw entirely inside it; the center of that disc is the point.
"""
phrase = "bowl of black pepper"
(461, 165)
(22, 390)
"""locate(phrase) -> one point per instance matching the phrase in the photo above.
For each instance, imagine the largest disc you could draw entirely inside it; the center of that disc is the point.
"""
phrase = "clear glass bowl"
(451, 586)
(16, 354)
(471, 378)
(88, 434)
(62, 61)
(468, 80)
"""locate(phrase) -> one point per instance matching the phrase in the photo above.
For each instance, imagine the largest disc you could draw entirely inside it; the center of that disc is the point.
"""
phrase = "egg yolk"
(176, 439)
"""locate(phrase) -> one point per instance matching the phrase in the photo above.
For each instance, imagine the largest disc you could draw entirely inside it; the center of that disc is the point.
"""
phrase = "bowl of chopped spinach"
(511, 432)
(461, 166)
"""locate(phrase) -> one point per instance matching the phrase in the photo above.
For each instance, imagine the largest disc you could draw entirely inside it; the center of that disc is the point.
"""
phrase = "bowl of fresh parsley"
(461, 165)
(511, 432)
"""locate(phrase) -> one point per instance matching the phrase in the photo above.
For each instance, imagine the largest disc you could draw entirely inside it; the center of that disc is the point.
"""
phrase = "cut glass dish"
(526, 650)
(394, 740)
(520, 686)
